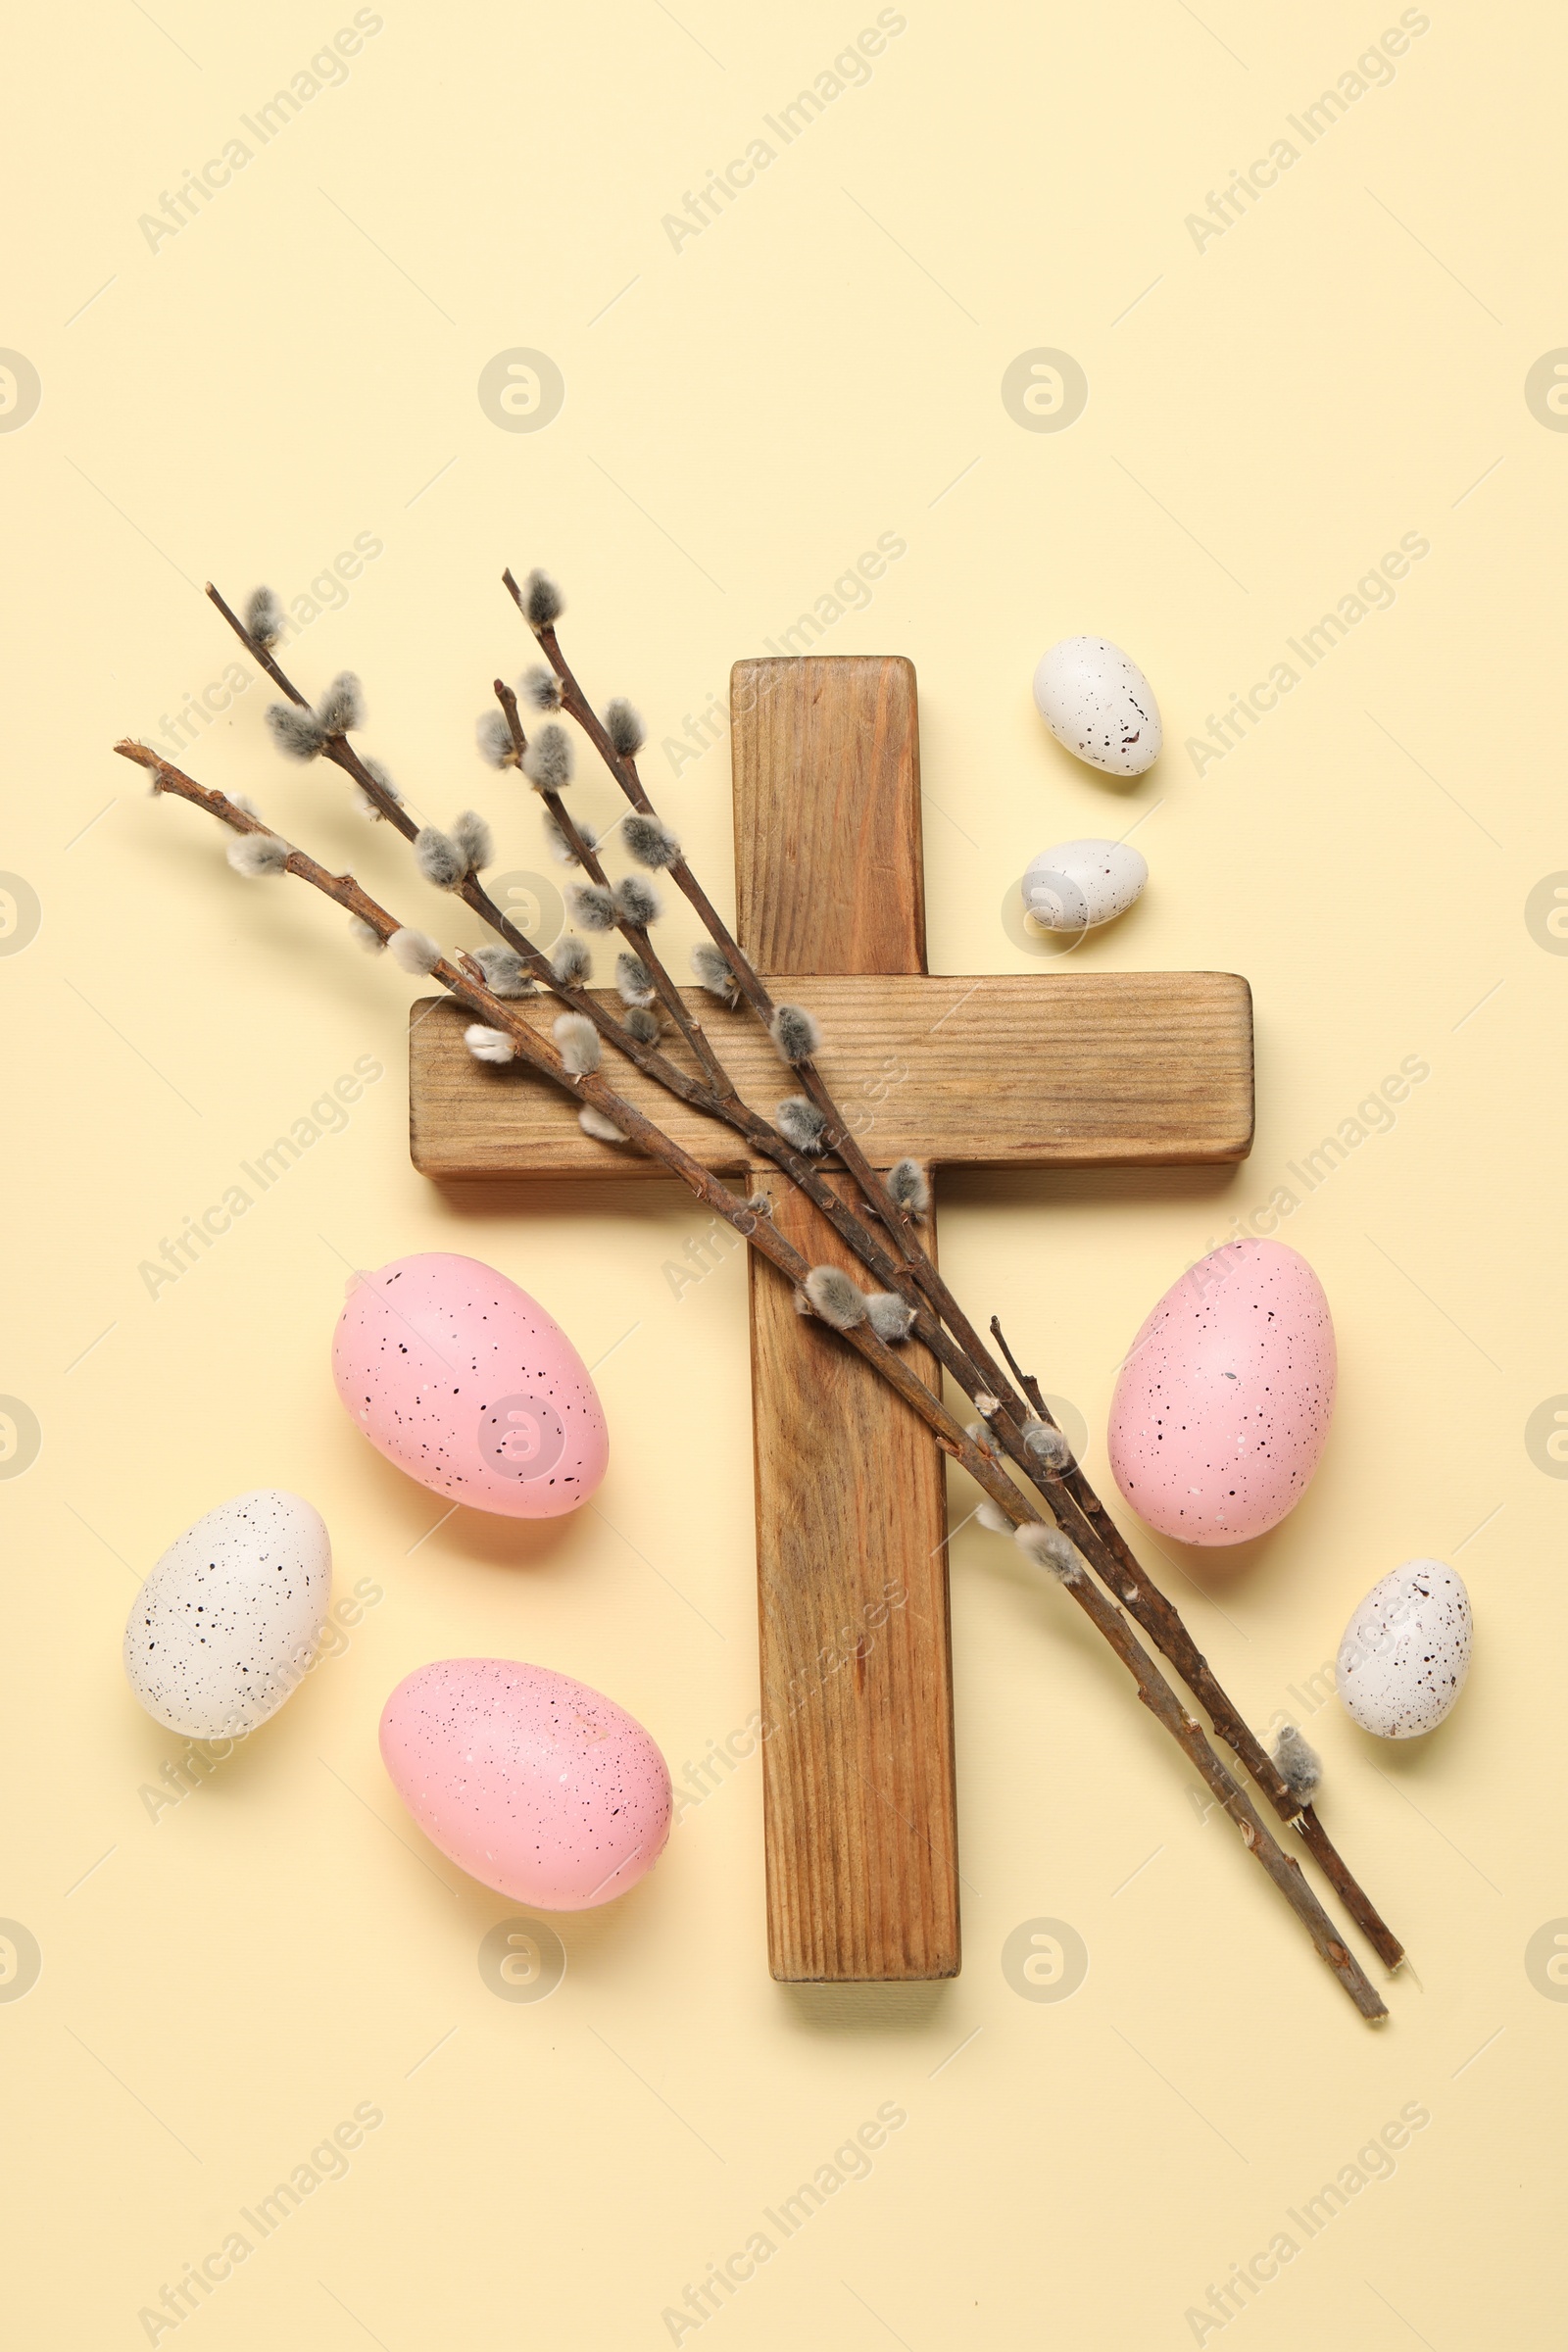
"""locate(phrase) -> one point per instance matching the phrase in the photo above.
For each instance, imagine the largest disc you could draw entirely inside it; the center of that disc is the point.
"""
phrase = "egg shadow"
(594, 1939)
(486, 1539)
(1399, 1761)
(1306, 1532)
(1066, 765)
(222, 1768)
(1069, 951)
(1210, 1568)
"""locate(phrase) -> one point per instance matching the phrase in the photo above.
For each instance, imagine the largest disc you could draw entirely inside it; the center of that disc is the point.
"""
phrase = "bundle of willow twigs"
(1053, 1515)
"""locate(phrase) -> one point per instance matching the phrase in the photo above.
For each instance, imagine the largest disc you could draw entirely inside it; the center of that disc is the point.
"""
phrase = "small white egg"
(1081, 883)
(1407, 1651)
(1100, 705)
(225, 1626)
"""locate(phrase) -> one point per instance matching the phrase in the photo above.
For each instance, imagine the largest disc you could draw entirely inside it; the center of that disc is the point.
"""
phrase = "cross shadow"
(606, 1200)
(1043, 1189)
(862, 2009)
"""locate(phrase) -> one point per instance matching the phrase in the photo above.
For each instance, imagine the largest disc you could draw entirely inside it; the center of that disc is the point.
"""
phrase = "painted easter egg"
(1081, 883)
(225, 1626)
(466, 1383)
(1407, 1651)
(533, 1783)
(1222, 1408)
(1099, 705)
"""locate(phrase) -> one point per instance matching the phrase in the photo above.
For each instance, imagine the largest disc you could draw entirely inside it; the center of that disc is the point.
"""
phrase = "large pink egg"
(533, 1783)
(1222, 1409)
(463, 1381)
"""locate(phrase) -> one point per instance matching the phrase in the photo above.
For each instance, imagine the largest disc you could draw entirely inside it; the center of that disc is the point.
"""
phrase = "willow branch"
(635, 933)
(472, 891)
(976, 1368)
(463, 981)
(719, 1097)
(1099, 1536)
(897, 1225)
(964, 1355)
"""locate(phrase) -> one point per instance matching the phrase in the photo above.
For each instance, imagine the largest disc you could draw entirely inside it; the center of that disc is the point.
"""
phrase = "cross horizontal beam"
(1011, 1070)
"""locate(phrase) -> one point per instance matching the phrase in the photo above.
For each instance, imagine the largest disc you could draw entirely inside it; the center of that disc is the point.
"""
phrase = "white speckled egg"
(225, 1626)
(1407, 1651)
(1100, 705)
(1081, 883)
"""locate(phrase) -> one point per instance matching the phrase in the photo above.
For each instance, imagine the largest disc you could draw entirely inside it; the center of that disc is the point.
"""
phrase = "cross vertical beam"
(856, 1681)
(1123, 1070)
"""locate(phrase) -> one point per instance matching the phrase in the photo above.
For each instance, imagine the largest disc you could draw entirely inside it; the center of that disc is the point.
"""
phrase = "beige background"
(1267, 417)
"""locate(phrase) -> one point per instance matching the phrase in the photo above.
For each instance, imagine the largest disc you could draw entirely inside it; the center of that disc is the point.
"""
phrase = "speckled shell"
(1407, 1651)
(1100, 705)
(1081, 883)
(463, 1381)
(225, 1626)
(533, 1783)
(1222, 1409)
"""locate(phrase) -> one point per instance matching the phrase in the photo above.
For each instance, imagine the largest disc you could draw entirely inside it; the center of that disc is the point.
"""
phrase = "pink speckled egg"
(463, 1381)
(1222, 1409)
(533, 1783)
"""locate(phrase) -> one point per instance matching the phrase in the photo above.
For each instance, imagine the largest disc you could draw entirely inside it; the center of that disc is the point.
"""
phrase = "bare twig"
(973, 1364)
(911, 1273)
(898, 1226)
(1143, 1599)
(465, 981)
(717, 1095)
(635, 933)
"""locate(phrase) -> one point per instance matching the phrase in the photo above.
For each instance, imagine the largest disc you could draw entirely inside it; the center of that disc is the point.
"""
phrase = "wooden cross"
(1022, 1070)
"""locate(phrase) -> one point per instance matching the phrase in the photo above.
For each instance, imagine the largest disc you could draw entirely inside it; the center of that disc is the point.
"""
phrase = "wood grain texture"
(1011, 1071)
(852, 1585)
(1027, 1069)
(857, 1676)
(828, 868)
